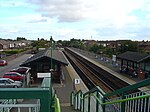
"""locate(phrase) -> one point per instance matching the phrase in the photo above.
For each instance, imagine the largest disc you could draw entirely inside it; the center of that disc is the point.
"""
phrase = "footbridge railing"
(40, 99)
(127, 99)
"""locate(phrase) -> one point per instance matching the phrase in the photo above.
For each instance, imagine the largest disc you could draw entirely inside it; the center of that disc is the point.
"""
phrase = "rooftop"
(57, 55)
(134, 56)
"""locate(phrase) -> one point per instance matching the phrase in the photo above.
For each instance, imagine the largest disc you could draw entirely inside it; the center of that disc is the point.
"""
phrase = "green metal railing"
(56, 104)
(96, 100)
(44, 95)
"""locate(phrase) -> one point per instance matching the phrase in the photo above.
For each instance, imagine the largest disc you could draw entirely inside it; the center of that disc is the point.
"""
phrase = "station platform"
(107, 66)
(67, 85)
(64, 89)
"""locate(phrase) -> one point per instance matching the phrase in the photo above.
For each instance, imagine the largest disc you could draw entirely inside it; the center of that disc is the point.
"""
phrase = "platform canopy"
(57, 56)
(134, 57)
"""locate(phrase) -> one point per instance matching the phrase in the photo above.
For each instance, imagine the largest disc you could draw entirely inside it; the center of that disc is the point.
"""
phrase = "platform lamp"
(51, 67)
(51, 45)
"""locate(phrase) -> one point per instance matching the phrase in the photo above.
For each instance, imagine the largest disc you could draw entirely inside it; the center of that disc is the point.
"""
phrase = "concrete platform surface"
(63, 92)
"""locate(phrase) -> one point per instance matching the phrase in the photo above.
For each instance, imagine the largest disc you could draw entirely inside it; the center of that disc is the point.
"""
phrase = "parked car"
(9, 83)
(14, 76)
(3, 62)
(21, 70)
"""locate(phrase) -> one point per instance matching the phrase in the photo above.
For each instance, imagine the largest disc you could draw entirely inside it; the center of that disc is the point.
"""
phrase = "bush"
(12, 51)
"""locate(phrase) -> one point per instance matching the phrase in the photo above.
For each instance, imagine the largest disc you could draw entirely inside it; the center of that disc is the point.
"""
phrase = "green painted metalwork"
(77, 100)
(31, 93)
(56, 104)
(71, 98)
(123, 103)
(97, 103)
(85, 95)
(128, 88)
(89, 101)
(46, 83)
(125, 100)
(81, 97)
(19, 93)
(51, 42)
(122, 91)
(28, 93)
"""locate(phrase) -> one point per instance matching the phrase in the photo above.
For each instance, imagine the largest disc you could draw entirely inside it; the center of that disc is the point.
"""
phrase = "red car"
(3, 62)
(21, 70)
(14, 76)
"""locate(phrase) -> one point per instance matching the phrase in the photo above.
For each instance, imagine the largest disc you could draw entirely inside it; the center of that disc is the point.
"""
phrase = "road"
(14, 63)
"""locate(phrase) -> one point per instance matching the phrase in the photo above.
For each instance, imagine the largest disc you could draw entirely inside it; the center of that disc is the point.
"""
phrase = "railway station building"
(47, 61)
(135, 64)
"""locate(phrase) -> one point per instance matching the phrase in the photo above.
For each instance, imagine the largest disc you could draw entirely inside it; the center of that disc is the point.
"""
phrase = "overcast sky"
(80, 19)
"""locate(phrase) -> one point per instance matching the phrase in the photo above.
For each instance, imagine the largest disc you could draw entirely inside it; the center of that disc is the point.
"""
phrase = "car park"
(14, 76)
(9, 83)
(24, 71)
(21, 70)
(3, 62)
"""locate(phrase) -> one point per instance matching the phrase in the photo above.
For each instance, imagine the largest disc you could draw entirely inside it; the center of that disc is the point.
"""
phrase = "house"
(4, 45)
(26, 42)
(90, 42)
(144, 46)
(10, 44)
(109, 44)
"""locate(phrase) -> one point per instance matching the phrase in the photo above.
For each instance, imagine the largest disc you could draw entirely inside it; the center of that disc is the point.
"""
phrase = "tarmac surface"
(63, 92)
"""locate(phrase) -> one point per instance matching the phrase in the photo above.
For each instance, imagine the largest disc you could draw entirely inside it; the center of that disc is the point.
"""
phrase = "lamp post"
(51, 42)
(51, 69)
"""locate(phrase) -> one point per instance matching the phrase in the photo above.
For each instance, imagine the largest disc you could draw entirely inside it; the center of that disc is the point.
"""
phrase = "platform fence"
(96, 100)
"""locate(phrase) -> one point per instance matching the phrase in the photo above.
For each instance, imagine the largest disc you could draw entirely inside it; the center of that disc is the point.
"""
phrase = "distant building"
(4, 45)
(89, 42)
(144, 46)
(11, 44)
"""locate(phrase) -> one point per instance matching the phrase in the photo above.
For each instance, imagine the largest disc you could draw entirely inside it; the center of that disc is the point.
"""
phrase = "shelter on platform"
(47, 61)
(135, 62)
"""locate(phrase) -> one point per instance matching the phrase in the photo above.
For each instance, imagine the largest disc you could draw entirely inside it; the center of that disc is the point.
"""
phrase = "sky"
(79, 19)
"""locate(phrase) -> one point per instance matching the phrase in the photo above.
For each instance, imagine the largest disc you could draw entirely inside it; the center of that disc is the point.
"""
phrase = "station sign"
(77, 81)
(44, 75)
(114, 58)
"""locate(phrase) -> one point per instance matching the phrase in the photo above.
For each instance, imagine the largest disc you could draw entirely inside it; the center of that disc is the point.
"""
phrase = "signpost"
(44, 75)
(75, 82)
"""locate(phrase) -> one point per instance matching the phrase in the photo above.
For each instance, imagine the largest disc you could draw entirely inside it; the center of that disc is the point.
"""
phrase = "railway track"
(92, 75)
(80, 72)
(87, 75)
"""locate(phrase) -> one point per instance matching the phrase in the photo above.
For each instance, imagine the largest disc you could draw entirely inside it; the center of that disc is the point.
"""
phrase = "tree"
(127, 45)
(40, 44)
(75, 43)
(21, 38)
(96, 48)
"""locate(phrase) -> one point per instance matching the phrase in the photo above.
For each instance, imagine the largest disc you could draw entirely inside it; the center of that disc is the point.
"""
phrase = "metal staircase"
(44, 97)
(120, 100)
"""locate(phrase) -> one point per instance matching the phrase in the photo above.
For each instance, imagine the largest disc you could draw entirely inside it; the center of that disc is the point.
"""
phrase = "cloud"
(76, 10)
(37, 21)
(64, 10)
(65, 19)
(27, 18)
(12, 3)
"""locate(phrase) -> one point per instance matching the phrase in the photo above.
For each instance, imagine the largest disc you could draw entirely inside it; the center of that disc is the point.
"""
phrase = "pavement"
(108, 64)
(63, 91)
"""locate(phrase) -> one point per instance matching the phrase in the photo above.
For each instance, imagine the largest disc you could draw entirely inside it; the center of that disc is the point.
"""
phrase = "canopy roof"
(57, 56)
(134, 57)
